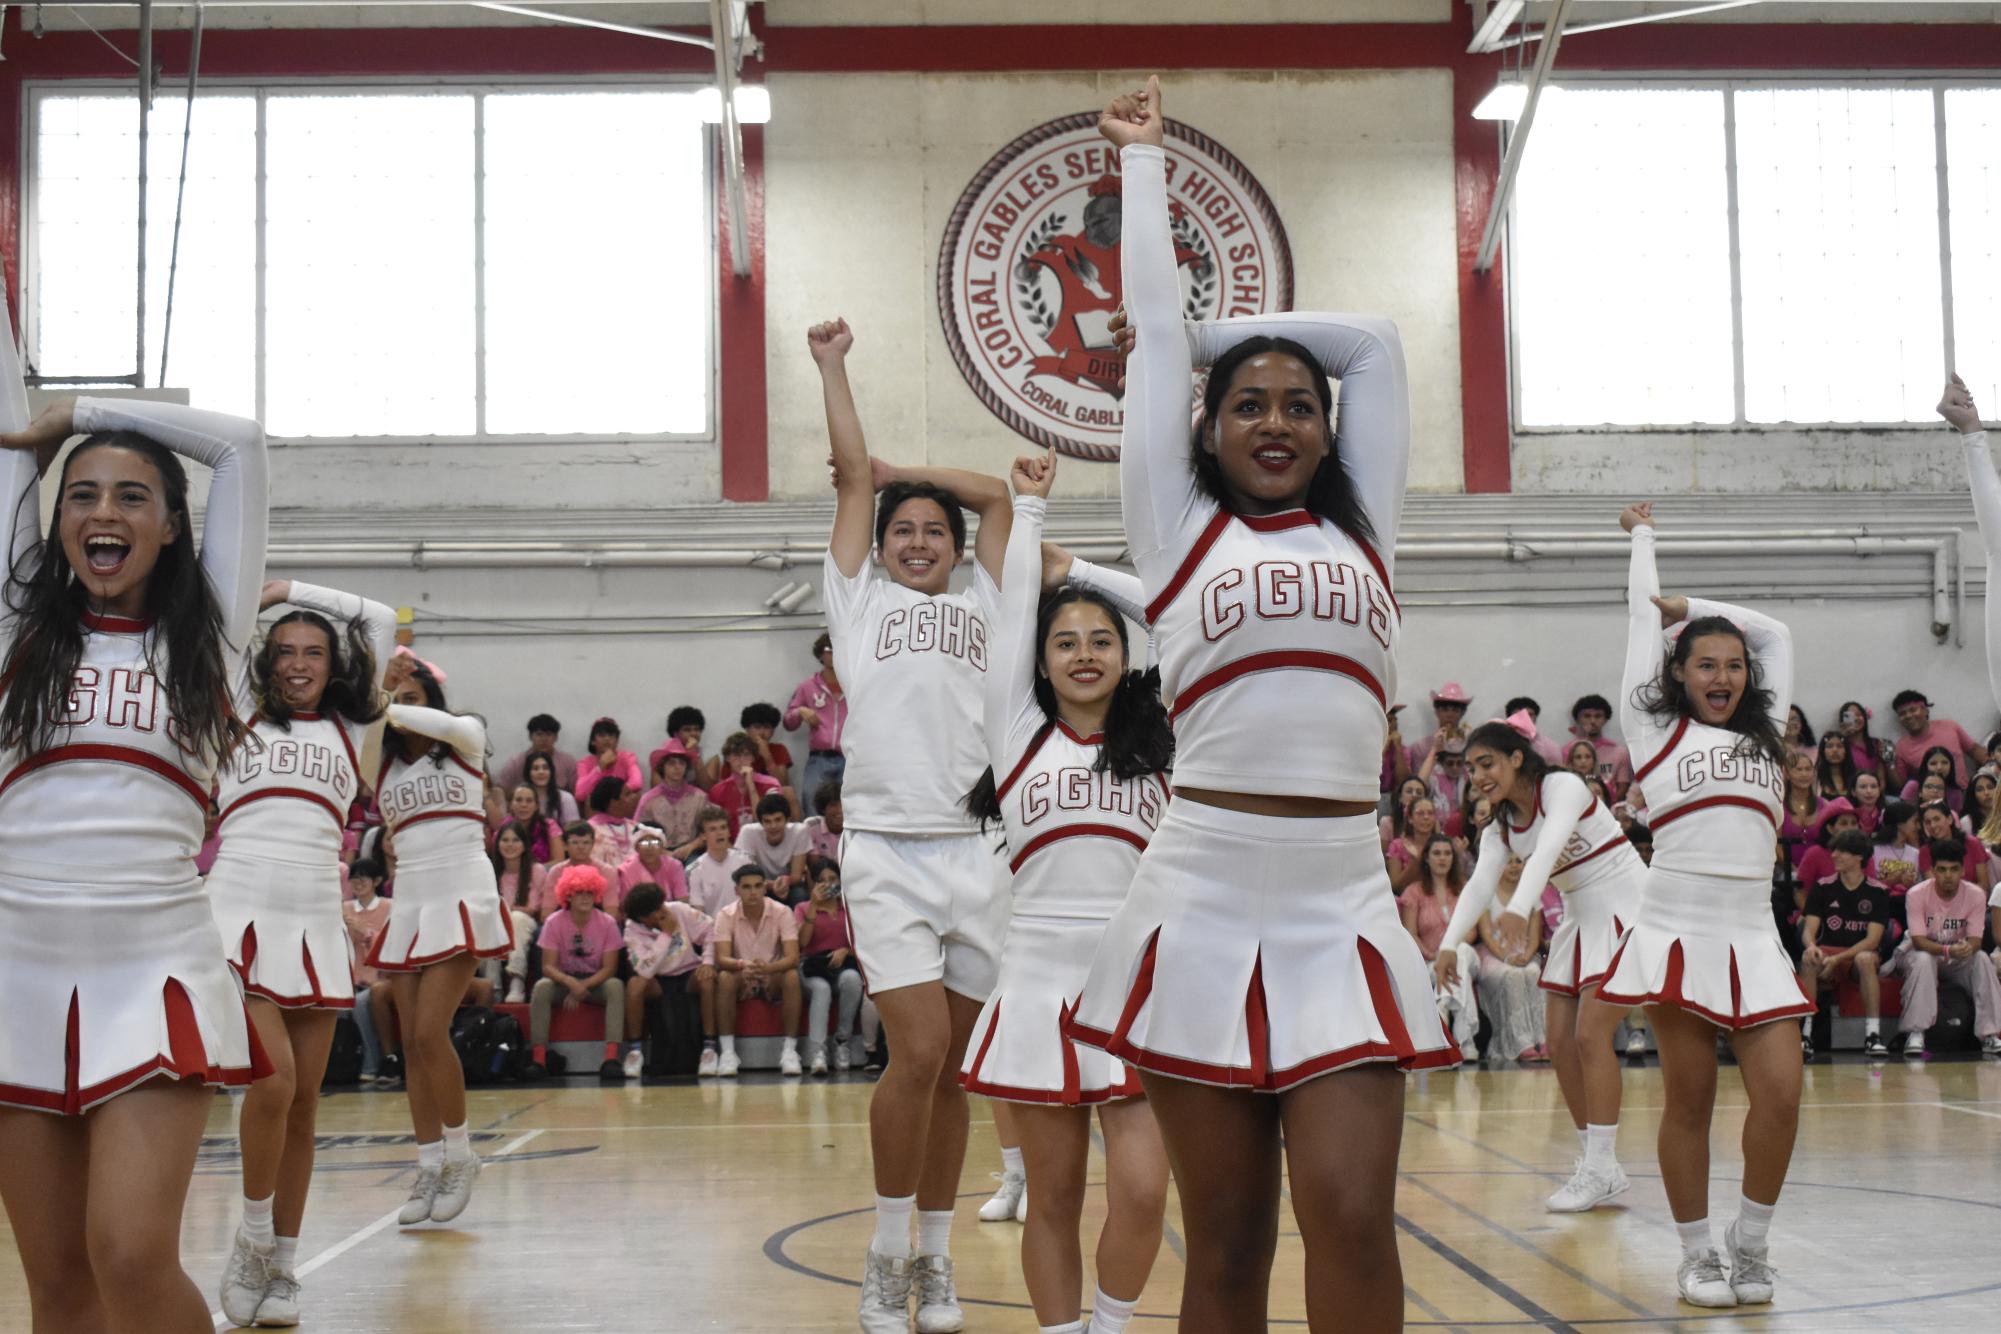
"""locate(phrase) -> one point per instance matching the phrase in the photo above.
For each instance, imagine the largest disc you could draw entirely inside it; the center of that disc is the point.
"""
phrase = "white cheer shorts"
(1019, 1051)
(103, 987)
(440, 909)
(925, 909)
(1595, 917)
(1258, 952)
(1708, 945)
(283, 931)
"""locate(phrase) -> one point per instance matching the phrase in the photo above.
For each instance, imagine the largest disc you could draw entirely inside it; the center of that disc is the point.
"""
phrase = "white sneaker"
(1007, 1200)
(1704, 1281)
(707, 1068)
(517, 989)
(788, 1062)
(1021, 1209)
(1991, 1045)
(635, 1064)
(454, 1188)
(729, 1065)
(819, 1065)
(1636, 1044)
(842, 1061)
(885, 1307)
(938, 1309)
(418, 1207)
(281, 1302)
(244, 1279)
(1752, 1277)
(1587, 1188)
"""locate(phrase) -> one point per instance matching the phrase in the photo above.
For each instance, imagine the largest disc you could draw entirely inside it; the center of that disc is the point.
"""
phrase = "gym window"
(388, 263)
(1747, 254)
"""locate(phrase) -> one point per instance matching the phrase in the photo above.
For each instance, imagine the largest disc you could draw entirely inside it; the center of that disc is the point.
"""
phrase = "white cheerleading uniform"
(446, 901)
(1573, 842)
(1987, 512)
(1074, 837)
(1259, 951)
(111, 969)
(924, 904)
(1704, 940)
(284, 799)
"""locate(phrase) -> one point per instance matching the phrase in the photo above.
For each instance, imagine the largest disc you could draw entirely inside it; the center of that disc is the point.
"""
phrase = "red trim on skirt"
(375, 960)
(1072, 1094)
(186, 1058)
(1259, 1075)
(314, 1000)
(1671, 994)
(1576, 989)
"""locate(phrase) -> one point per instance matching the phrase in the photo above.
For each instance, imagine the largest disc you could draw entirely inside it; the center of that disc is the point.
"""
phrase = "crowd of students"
(1884, 865)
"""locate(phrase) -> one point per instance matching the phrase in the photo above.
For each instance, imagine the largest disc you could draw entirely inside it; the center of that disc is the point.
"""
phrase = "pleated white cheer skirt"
(281, 925)
(1582, 946)
(1257, 952)
(1708, 945)
(1019, 1051)
(440, 909)
(105, 986)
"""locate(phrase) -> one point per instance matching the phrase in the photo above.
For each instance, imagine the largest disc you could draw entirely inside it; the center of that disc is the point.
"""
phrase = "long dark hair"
(524, 879)
(350, 691)
(1666, 700)
(549, 799)
(1138, 737)
(1924, 770)
(1896, 814)
(1505, 741)
(1826, 775)
(1331, 492)
(48, 599)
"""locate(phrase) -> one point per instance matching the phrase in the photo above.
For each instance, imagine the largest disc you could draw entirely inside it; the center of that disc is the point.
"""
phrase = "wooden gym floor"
(744, 1207)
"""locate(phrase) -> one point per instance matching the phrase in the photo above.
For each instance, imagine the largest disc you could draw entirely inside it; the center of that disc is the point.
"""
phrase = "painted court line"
(355, 1238)
(1961, 1107)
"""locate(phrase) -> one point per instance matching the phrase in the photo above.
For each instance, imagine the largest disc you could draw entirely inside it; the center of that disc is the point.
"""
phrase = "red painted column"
(742, 413)
(1486, 413)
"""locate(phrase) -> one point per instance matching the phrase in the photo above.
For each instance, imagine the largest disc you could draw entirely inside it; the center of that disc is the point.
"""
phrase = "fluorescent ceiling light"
(753, 104)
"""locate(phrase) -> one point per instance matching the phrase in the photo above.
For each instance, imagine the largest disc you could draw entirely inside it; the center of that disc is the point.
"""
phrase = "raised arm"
(20, 477)
(235, 525)
(463, 733)
(1012, 713)
(854, 489)
(1563, 805)
(1163, 509)
(1644, 647)
(1957, 407)
(1364, 354)
(987, 497)
(1771, 645)
(1122, 590)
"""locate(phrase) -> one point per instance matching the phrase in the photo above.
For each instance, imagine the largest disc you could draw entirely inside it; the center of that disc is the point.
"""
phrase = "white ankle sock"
(1583, 1139)
(1109, 1315)
(458, 1144)
(729, 1044)
(1754, 1221)
(934, 1231)
(1601, 1146)
(1011, 1163)
(1872, 1027)
(431, 1155)
(892, 1226)
(1695, 1237)
(792, 1045)
(285, 1255)
(257, 1220)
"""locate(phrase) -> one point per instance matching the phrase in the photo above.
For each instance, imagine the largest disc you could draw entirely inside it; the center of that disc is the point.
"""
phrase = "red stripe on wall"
(743, 416)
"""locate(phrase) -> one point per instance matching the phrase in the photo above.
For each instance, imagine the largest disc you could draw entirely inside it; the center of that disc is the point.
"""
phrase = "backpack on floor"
(474, 1039)
(344, 1057)
(510, 1049)
(1954, 1029)
(674, 1018)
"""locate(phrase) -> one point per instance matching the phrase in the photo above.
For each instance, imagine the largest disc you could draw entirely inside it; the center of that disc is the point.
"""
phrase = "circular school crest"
(1028, 274)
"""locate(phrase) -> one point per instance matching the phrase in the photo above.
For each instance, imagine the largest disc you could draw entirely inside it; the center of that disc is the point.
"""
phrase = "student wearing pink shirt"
(712, 875)
(1869, 754)
(606, 760)
(757, 954)
(552, 795)
(365, 915)
(1588, 717)
(1426, 908)
(525, 892)
(742, 787)
(685, 724)
(545, 836)
(1868, 801)
(1947, 918)
(670, 945)
(825, 827)
(649, 864)
(1550, 751)
(543, 731)
(580, 954)
(1922, 732)
(827, 962)
(674, 803)
(779, 847)
(821, 706)
(612, 803)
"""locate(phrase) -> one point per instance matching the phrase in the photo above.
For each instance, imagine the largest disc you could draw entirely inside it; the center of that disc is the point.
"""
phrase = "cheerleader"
(445, 917)
(926, 902)
(1082, 743)
(1565, 836)
(1257, 973)
(1705, 722)
(118, 1011)
(275, 889)
(1958, 408)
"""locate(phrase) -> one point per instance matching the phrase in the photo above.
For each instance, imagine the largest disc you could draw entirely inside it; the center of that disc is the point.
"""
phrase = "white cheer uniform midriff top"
(1074, 833)
(1277, 633)
(434, 807)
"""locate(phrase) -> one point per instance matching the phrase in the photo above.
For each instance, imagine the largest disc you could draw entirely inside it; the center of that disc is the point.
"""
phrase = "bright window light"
(752, 101)
(1504, 101)
(1973, 169)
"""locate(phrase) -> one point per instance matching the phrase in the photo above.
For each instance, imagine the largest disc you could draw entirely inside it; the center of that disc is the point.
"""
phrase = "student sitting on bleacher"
(671, 945)
(1842, 929)
(1946, 916)
(757, 955)
(580, 951)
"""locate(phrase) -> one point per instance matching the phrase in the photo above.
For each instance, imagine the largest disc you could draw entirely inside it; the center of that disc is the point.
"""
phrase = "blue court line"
(1536, 1315)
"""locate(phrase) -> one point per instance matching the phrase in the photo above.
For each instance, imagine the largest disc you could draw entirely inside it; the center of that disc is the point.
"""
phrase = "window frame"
(1937, 84)
(263, 89)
